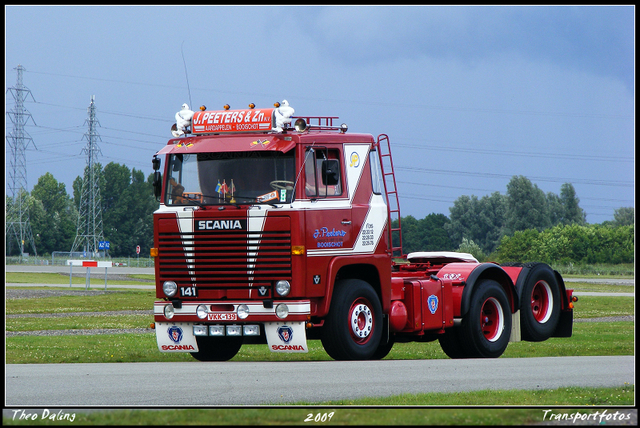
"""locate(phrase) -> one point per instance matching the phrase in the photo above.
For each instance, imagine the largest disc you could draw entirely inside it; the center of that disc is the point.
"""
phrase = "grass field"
(589, 338)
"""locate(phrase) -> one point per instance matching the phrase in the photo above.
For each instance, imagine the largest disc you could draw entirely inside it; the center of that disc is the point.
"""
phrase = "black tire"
(539, 304)
(217, 348)
(452, 344)
(383, 350)
(486, 328)
(353, 327)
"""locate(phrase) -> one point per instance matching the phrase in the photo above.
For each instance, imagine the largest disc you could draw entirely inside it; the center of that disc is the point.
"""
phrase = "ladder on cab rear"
(391, 193)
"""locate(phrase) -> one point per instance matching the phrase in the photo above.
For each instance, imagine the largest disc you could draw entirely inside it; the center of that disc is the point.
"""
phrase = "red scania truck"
(275, 234)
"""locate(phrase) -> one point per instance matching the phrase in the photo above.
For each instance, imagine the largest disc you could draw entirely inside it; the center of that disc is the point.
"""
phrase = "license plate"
(222, 317)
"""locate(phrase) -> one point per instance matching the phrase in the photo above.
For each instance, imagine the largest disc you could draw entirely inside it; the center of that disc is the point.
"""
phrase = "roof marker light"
(252, 106)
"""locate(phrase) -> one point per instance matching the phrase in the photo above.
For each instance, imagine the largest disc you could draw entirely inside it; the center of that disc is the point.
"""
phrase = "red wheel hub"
(541, 301)
(492, 319)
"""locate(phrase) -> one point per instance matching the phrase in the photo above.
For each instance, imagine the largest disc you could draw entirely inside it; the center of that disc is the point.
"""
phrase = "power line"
(503, 176)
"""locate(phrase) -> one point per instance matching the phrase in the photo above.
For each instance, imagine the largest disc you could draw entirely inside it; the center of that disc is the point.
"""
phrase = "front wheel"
(217, 348)
(486, 328)
(353, 328)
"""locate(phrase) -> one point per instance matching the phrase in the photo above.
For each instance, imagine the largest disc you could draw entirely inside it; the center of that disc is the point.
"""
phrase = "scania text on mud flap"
(273, 234)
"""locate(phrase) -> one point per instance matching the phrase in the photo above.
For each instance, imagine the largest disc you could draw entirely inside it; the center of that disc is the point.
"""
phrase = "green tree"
(555, 210)
(526, 206)
(128, 213)
(572, 213)
(54, 216)
(468, 246)
(480, 220)
(427, 234)
(624, 216)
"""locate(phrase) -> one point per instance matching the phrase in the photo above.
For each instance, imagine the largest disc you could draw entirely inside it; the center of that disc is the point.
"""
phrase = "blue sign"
(103, 245)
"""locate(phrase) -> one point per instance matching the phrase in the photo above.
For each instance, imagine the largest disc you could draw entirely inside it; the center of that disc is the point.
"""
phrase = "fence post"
(70, 273)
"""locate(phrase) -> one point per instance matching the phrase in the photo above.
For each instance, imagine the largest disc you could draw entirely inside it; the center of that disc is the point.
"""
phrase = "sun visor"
(227, 143)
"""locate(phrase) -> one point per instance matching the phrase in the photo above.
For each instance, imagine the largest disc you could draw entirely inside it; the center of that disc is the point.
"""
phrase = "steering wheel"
(282, 184)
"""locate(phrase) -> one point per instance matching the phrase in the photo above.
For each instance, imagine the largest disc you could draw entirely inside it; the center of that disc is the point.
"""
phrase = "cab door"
(328, 216)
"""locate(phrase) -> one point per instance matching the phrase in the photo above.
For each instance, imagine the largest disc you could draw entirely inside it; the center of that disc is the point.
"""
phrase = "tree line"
(504, 226)
(524, 224)
(127, 206)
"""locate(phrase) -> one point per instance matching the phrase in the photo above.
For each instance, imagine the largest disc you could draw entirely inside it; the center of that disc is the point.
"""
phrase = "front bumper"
(258, 311)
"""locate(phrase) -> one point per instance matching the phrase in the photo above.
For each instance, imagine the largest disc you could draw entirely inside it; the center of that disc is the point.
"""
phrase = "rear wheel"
(217, 348)
(539, 304)
(486, 328)
(353, 328)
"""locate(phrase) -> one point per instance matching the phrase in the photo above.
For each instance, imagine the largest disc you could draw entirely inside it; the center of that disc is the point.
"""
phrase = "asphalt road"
(277, 383)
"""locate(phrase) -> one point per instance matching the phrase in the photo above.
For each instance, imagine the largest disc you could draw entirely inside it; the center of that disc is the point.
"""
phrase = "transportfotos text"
(601, 417)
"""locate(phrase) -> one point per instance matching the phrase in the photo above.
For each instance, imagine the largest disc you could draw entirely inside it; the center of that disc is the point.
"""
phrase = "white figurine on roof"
(282, 115)
(183, 121)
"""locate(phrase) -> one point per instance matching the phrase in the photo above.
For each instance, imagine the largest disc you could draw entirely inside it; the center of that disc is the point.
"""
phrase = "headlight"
(283, 288)
(168, 311)
(243, 311)
(169, 288)
(282, 311)
(201, 311)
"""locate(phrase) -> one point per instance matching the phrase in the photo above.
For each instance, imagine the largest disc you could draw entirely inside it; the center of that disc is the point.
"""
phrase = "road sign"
(103, 245)
(138, 249)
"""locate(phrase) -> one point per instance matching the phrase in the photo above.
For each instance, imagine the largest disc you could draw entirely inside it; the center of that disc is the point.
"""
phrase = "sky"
(469, 96)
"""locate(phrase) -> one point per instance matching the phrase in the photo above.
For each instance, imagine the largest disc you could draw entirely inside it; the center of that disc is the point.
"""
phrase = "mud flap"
(286, 336)
(565, 325)
(176, 337)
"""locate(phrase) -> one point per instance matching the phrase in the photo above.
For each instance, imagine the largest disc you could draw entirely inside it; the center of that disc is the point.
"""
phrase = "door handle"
(346, 222)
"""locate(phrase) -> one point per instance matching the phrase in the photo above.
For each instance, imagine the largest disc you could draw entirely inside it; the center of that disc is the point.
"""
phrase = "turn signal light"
(153, 252)
(297, 250)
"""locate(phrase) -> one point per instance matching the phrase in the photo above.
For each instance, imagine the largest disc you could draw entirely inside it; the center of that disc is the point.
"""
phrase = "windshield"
(235, 177)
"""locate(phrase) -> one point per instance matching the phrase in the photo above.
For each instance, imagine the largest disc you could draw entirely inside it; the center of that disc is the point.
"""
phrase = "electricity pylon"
(17, 211)
(89, 232)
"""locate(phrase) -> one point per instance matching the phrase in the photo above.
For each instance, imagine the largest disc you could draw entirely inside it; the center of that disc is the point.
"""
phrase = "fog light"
(200, 330)
(201, 311)
(216, 330)
(282, 311)
(169, 312)
(251, 330)
(283, 288)
(169, 288)
(243, 311)
(234, 330)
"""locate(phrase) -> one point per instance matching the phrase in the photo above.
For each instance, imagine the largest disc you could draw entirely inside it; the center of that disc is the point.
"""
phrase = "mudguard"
(471, 274)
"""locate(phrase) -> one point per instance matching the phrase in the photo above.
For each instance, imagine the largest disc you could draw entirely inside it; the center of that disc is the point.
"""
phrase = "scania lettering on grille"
(222, 225)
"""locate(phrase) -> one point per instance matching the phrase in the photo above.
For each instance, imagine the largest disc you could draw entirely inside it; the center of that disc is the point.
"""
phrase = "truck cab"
(254, 228)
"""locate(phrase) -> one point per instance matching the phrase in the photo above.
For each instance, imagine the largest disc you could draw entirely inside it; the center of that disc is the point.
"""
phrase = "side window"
(310, 187)
(323, 173)
(376, 172)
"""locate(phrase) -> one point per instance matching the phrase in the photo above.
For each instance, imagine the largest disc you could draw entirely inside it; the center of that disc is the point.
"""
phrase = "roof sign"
(247, 120)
